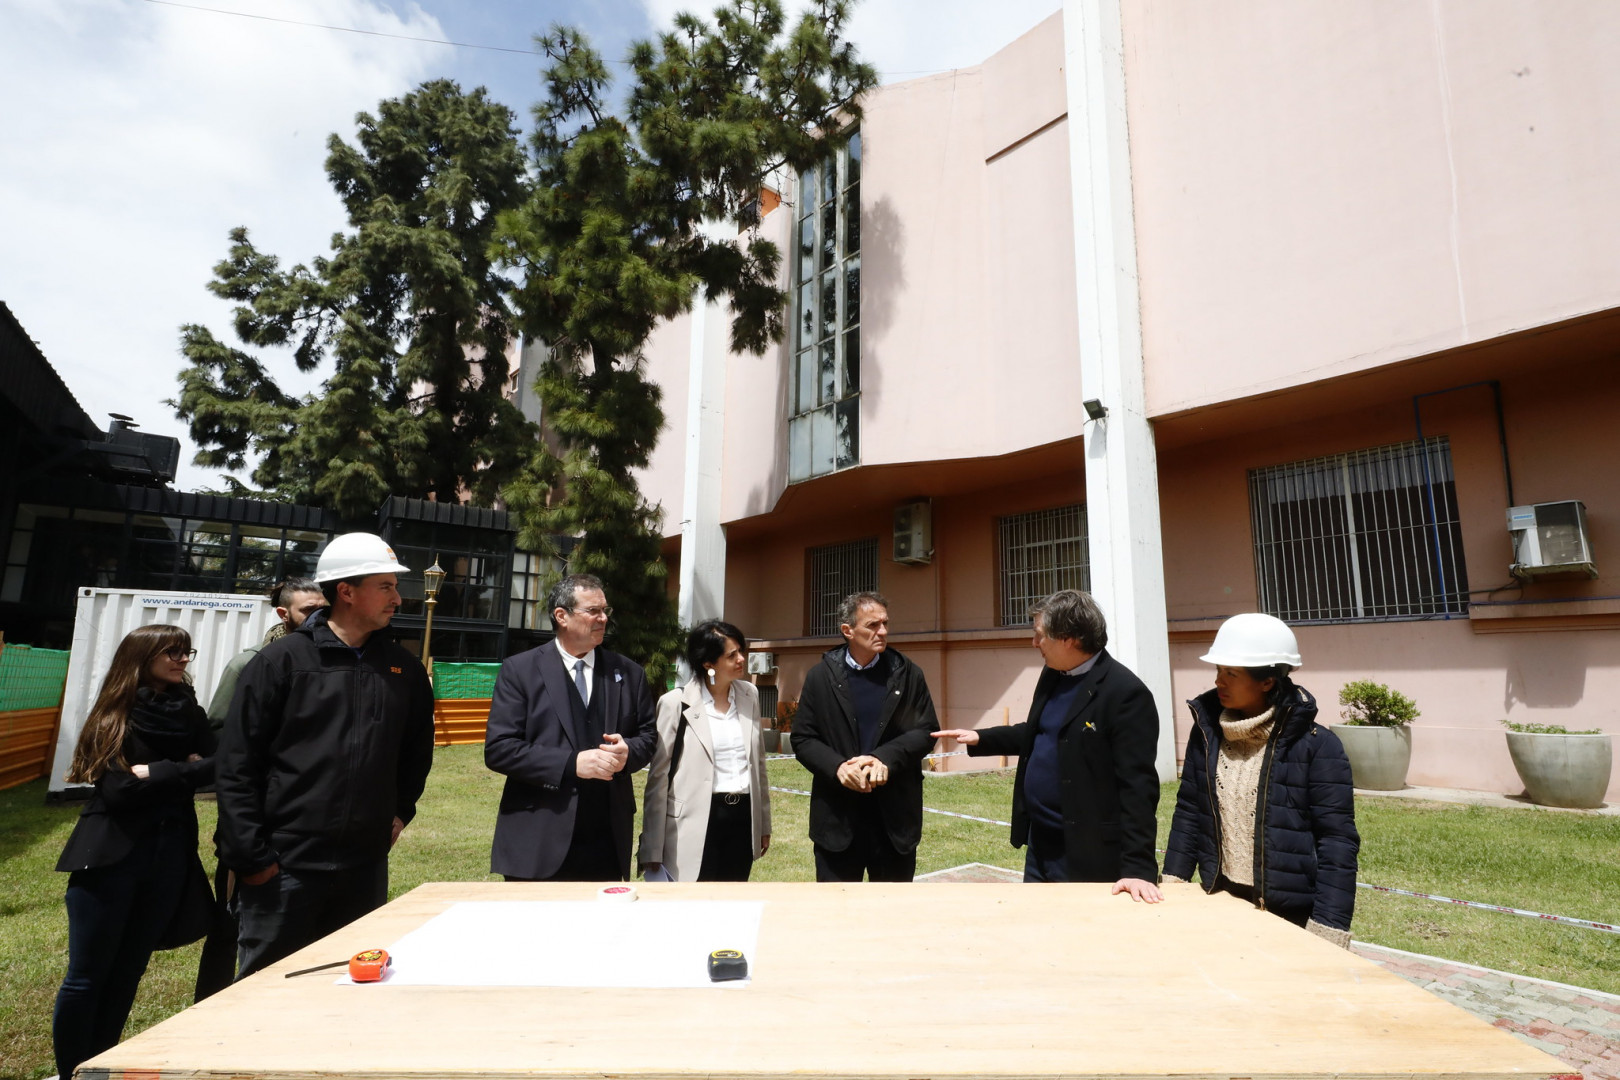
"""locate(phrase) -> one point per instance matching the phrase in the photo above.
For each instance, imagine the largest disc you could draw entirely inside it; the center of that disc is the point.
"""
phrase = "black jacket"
(1305, 835)
(1107, 751)
(533, 740)
(321, 751)
(825, 736)
(123, 810)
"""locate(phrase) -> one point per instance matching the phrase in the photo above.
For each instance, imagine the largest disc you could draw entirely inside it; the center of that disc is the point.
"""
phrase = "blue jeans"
(298, 907)
(115, 916)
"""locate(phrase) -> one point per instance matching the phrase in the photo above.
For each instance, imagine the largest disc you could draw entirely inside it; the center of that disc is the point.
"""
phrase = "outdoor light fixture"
(432, 578)
(1095, 409)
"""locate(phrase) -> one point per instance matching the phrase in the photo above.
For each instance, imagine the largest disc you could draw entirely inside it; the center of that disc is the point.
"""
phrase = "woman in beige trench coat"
(707, 814)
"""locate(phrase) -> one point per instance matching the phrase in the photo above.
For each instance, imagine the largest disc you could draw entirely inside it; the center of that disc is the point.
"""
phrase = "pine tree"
(409, 309)
(612, 241)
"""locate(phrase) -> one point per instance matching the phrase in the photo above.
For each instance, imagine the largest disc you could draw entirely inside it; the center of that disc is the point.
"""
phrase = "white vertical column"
(1122, 476)
(703, 540)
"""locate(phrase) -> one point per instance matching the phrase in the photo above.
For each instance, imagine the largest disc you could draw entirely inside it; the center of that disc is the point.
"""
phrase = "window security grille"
(1041, 552)
(836, 571)
(1362, 536)
(767, 702)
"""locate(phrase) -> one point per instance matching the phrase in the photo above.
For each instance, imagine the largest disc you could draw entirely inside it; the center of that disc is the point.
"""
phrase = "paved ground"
(1482, 798)
(1580, 1027)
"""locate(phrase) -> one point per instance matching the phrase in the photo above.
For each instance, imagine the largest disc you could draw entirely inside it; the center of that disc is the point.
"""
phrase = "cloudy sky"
(136, 133)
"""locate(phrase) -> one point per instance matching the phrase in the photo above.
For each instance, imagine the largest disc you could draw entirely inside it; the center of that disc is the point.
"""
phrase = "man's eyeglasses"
(595, 612)
(181, 656)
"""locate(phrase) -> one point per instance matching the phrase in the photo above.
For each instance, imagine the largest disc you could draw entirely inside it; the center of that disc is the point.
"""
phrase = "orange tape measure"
(369, 966)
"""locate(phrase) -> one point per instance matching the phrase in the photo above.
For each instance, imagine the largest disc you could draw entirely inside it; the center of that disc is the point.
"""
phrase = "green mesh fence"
(31, 678)
(457, 682)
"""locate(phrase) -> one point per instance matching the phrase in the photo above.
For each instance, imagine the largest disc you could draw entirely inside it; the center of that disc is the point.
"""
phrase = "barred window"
(1368, 535)
(767, 701)
(824, 404)
(836, 571)
(1041, 552)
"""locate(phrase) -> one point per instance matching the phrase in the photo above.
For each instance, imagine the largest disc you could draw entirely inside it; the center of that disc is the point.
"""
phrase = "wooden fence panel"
(28, 742)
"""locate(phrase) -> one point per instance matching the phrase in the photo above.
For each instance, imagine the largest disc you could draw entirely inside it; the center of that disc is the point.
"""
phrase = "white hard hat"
(1253, 640)
(356, 554)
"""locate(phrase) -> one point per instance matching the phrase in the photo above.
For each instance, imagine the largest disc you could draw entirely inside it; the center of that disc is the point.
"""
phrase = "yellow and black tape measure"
(727, 964)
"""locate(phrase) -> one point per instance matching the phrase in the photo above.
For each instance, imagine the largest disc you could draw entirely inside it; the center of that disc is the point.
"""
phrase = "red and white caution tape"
(926, 809)
(1565, 920)
(927, 757)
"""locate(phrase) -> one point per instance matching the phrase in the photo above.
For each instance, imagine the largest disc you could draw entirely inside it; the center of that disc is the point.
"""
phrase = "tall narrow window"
(824, 402)
(1041, 552)
(1368, 535)
(836, 571)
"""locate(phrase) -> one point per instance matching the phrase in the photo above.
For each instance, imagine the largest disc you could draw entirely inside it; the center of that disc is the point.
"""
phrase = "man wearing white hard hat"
(1266, 809)
(325, 751)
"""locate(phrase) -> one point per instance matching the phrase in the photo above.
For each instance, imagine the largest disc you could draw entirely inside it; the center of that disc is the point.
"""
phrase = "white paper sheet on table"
(662, 943)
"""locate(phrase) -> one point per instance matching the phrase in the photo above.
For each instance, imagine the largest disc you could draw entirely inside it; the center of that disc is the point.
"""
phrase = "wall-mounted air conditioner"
(761, 663)
(1550, 538)
(914, 533)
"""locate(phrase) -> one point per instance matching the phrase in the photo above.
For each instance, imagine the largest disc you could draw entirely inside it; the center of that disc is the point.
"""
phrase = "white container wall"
(220, 624)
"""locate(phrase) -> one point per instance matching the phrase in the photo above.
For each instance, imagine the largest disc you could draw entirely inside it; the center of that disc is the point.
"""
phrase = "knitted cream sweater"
(1237, 794)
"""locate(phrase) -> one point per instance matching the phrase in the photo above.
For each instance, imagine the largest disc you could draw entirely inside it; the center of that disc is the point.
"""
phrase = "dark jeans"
(298, 907)
(869, 853)
(728, 845)
(115, 916)
(1044, 855)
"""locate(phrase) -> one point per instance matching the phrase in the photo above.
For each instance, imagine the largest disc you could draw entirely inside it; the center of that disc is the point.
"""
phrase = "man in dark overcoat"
(1087, 787)
(863, 728)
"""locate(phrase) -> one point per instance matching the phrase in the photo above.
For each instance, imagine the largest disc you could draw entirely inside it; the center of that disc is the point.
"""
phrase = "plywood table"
(899, 982)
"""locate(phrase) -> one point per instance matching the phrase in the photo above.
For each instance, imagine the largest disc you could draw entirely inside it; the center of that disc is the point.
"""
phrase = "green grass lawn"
(1563, 863)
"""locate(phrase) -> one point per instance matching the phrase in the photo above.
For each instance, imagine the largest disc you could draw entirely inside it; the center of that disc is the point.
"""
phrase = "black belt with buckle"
(731, 798)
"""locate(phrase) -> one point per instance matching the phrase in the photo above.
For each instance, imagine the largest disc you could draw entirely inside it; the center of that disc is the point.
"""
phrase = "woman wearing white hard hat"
(1266, 809)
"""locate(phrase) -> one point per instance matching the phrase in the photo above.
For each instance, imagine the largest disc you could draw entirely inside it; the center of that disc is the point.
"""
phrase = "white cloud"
(137, 134)
(905, 39)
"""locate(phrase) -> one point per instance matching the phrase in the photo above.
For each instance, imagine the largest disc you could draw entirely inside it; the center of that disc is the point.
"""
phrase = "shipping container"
(220, 624)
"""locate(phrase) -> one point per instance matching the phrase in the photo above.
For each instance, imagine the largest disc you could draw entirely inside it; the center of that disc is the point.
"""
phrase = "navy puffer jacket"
(1306, 841)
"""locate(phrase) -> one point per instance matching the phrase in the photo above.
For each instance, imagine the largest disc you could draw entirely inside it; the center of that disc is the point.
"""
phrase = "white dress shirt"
(730, 745)
(569, 660)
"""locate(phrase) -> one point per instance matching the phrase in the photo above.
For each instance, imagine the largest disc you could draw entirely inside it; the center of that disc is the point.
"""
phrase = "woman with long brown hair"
(146, 746)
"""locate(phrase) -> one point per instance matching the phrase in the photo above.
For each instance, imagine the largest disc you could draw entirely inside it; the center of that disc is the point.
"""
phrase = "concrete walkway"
(1579, 1027)
(1482, 798)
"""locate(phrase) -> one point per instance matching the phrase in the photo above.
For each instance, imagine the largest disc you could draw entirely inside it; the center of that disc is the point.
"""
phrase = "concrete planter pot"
(769, 736)
(1563, 770)
(1379, 756)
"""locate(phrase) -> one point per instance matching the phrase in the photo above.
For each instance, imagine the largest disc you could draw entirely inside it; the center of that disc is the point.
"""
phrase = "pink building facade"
(1349, 222)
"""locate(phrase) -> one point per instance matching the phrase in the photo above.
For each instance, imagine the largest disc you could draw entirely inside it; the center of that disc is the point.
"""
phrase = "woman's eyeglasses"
(181, 656)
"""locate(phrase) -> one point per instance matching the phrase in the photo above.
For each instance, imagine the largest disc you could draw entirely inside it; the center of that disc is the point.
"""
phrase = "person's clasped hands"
(863, 773)
(607, 759)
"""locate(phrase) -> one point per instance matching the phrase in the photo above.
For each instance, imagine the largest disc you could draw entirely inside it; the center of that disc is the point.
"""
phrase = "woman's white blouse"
(730, 746)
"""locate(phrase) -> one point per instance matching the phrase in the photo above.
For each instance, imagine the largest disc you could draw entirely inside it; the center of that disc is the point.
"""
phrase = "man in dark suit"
(1086, 790)
(862, 729)
(568, 725)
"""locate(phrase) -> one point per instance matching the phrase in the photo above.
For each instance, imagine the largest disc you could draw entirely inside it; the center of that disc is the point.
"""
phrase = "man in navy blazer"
(1087, 789)
(568, 724)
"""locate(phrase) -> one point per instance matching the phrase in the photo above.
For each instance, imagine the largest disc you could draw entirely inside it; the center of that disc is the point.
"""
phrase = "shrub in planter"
(1375, 734)
(1560, 767)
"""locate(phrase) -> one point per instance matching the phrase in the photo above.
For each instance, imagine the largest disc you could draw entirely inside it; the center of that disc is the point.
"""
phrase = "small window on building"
(767, 702)
(1041, 552)
(836, 571)
(530, 573)
(825, 371)
(1369, 535)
